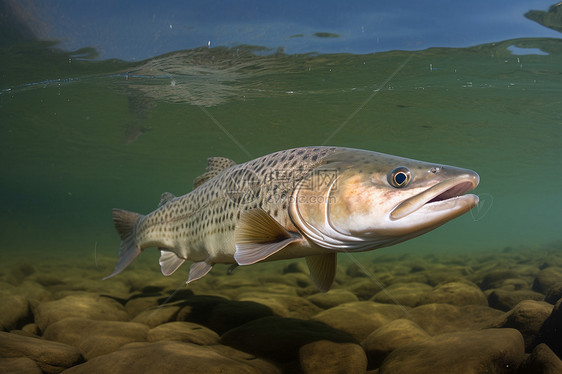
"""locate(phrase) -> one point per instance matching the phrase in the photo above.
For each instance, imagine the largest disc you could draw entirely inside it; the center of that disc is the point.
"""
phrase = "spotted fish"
(310, 202)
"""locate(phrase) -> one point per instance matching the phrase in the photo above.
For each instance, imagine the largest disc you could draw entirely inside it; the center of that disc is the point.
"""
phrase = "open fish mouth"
(447, 196)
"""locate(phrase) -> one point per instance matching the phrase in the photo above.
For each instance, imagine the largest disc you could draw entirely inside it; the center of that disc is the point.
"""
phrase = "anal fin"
(198, 270)
(169, 262)
(258, 236)
(322, 270)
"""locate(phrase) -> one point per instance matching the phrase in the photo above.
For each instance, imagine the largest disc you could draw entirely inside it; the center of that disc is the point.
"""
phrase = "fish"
(312, 202)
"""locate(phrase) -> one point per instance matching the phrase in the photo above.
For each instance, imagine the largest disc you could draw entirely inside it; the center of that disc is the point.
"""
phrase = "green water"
(79, 137)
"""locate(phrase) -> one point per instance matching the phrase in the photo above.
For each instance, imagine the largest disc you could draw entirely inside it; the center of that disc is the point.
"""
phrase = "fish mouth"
(447, 198)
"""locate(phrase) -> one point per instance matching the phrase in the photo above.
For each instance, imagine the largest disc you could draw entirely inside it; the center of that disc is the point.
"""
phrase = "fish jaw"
(435, 206)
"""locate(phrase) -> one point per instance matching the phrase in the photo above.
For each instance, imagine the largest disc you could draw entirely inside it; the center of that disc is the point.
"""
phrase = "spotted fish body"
(305, 202)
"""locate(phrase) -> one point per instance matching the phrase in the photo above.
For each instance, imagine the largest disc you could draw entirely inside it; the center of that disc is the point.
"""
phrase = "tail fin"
(126, 222)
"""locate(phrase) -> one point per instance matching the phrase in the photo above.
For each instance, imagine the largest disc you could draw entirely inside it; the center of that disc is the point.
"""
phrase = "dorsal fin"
(214, 166)
(165, 198)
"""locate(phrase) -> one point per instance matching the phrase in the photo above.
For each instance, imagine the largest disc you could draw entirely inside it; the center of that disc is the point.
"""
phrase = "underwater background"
(109, 104)
(104, 112)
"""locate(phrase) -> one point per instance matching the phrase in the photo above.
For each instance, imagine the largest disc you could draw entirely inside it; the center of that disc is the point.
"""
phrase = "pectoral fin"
(322, 270)
(198, 270)
(258, 236)
(169, 262)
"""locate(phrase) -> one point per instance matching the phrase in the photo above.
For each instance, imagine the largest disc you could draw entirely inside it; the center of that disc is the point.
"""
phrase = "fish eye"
(399, 177)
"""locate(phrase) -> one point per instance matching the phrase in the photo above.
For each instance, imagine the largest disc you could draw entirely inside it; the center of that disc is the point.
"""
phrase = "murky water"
(92, 135)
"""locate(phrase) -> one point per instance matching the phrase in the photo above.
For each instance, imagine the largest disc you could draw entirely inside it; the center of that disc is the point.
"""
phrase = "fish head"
(360, 200)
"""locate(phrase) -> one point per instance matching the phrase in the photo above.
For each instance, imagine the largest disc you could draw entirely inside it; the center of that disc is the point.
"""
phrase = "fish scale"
(282, 206)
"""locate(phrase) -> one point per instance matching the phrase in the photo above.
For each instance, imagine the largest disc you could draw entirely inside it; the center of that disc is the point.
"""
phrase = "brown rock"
(228, 315)
(549, 332)
(497, 278)
(14, 312)
(364, 289)
(155, 316)
(327, 357)
(280, 338)
(332, 298)
(407, 294)
(283, 305)
(506, 300)
(456, 293)
(441, 318)
(554, 293)
(471, 352)
(172, 357)
(88, 306)
(187, 332)
(528, 316)
(135, 306)
(295, 267)
(95, 338)
(20, 365)
(398, 333)
(360, 318)
(51, 357)
(541, 361)
(547, 280)
(33, 291)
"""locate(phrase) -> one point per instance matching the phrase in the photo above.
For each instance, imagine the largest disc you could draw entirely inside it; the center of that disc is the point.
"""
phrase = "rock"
(496, 278)
(549, 332)
(172, 357)
(547, 280)
(327, 357)
(228, 315)
(541, 361)
(31, 329)
(95, 338)
(456, 293)
(137, 305)
(270, 289)
(389, 337)
(33, 291)
(360, 318)
(441, 318)
(197, 308)
(471, 352)
(14, 312)
(441, 273)
(85, 305)
(332, 298)
(407, 294)
(187, 332)
(354, 271)
(20, 365)
(295, 267)
(528, 316)
(300, 280)
(554, 293)
(515, 284)
(51, 357)
(363, 288)
(280, 338)
(283, 305)
(155, 316)
(48, 280)
(506, 300)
